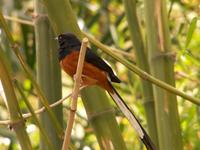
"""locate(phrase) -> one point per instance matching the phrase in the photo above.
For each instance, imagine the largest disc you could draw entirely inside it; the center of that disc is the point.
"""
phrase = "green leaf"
(191, 30)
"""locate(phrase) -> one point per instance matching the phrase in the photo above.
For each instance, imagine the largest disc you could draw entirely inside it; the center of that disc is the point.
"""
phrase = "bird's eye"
(59, 37)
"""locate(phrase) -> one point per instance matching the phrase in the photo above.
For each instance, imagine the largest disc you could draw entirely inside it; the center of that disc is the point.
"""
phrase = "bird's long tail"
(132, 119)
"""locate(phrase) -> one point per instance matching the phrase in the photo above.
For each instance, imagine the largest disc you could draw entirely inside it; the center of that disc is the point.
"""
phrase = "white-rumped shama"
(96, 72)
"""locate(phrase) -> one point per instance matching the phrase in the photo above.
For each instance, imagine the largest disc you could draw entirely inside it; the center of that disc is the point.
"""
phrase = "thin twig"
(22, 21)
(122, 53)
(41, 110)
(184, 75)
(75, 93)
(144, 75)
(31, 23)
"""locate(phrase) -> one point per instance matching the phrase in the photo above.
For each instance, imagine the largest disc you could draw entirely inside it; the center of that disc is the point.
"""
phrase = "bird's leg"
(87, 81)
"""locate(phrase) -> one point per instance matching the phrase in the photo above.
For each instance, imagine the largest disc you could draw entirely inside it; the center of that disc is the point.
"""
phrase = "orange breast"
(91, 74)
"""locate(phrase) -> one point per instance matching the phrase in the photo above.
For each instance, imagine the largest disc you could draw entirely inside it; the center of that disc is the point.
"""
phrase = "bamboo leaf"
(191, 30)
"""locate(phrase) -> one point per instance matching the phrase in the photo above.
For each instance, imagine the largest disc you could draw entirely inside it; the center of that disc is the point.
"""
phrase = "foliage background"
(106, 21)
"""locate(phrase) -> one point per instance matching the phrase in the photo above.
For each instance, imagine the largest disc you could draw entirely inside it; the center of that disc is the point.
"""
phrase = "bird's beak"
(56, 38)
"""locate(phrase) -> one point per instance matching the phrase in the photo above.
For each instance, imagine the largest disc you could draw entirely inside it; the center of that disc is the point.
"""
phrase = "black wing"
(92, 58)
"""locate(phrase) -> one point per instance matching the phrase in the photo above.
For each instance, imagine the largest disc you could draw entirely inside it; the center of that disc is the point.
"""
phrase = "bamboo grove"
(152, 45)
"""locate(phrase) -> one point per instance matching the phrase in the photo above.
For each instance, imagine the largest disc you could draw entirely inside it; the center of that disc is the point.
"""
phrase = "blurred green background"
(106, 21)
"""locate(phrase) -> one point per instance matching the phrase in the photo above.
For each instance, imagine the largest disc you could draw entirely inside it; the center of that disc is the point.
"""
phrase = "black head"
(68, 40)
(67, 43)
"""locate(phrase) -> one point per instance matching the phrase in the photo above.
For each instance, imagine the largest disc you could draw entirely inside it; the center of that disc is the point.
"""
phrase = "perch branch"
(75, 93)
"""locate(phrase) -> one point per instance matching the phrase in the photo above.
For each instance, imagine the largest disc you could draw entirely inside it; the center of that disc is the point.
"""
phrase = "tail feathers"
(132, 119)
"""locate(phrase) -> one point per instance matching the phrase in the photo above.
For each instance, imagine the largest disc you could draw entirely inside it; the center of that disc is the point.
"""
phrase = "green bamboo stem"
(135, 32)
(66, 22)
(5, 132)
(102, 118)
(9, 8)
(16, 50)
(15, 115)
(48, 72)
(144, 75)
(161, 65)
(62, 17)
(28, 104)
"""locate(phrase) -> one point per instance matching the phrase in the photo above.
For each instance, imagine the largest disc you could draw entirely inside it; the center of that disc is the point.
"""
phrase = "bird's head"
(68, 40)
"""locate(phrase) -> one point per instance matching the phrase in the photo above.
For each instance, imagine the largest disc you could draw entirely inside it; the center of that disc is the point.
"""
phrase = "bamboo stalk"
(46, 138)
(48, 73)
(75, 93)
(15, 115)
(101, 115)
(162, 67)
(58, 16)
(27, 70)
(135, 32)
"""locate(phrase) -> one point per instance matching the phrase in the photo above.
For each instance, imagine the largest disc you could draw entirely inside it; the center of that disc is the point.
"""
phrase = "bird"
(97, 72)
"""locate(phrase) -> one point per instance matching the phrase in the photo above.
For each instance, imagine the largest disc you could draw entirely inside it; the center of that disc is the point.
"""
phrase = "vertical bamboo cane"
(48, 72)
(161, 65)
(135, 32)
